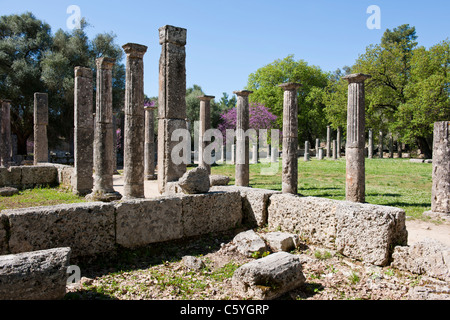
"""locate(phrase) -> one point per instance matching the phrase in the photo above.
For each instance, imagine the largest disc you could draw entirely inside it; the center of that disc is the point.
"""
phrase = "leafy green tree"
(264, 84)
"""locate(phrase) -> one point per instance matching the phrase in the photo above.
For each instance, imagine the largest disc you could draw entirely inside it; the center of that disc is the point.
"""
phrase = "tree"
(264, 84)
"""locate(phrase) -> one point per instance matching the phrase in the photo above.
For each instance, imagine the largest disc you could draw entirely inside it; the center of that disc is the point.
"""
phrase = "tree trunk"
(424, 147)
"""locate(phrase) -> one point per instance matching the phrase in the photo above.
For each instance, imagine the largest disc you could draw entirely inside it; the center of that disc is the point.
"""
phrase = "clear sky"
(229, 39)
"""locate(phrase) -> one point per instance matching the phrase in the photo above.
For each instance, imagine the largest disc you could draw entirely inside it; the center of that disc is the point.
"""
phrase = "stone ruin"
(38, 244)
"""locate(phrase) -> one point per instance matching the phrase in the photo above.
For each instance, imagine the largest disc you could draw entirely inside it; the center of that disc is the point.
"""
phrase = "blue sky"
(228, 40)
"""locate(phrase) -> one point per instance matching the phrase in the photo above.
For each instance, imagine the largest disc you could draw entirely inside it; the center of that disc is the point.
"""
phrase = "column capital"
(205, 98)
(83, 72)
(290, 86)
(243, 93)
(357, 77)
(105, 63)
(134, 50)
(171, 34)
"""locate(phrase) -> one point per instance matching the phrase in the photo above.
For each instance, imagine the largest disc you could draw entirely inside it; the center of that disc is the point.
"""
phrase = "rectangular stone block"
(210, 212)
(38, 275)
(141, 222)
(360, 231)
(38, 176)
(87, 228)
(4, 231)
(254, 203)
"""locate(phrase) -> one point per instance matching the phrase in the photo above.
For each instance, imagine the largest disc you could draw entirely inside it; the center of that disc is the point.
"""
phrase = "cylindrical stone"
(317, 148)
(5, 125)
(380, 145)
(149, 144)
(274, 154)
(103, 189)
(134, 130)
(306, 155)
(290, 138)
(440, 192)
(171, 101)
(338, 141)
(320, 153)
(82, 179)
(328, 142)
(355, 160)
(254, 154)
(391, 146)
(242, 171)
(40, 128)
(370, 145)
(223, 153)
(233, 154)
(335, 150)
(205, 124)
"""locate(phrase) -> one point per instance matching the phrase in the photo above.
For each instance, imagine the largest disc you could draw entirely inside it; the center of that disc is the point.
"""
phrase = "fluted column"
(205, 124)
(40, 128)
(440, 192)
(242, 175)
(149, 144)
(5, 129)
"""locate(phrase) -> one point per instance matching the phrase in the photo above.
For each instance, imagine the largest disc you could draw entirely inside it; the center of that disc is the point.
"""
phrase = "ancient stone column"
(335, 150)
(380, 145)
(40, 128)
(242, 174)
(306, 155)
(115, 143)
(320, 153)
(223, 157)
(391, 146)
(149, 144)
(328, 142)
(290, 138)
(440, 192)
(171, 101)
(205, 124)
(134, 130)
(274, 154)
(354, 152)
(338, 141)
(254, 153)
(82, 179)
(5, 143)
(370, 146)
(103, 189)
(317, 148)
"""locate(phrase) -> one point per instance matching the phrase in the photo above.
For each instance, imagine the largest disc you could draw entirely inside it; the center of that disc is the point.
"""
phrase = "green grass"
(391, 182)
(39, 197)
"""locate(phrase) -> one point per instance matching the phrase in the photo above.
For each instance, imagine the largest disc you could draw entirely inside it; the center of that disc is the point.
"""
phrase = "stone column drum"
(171, 101)
(328, 142)
(290, 138)
(103, 189)
(370, 146)
(355, 160)
(82, 179)
(306, 156)
(335, 150)
(149, 144)
(338, 141)
(134, 130)
(40, 128)
(205, 124)
(440, 192)
(5, 125)
(317, 147)
(380, 145)
(242, 174)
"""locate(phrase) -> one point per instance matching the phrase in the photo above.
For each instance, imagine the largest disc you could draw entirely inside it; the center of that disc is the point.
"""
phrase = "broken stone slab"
(360, 231)
(430, 291)
(195, 181)
(38, 275)
(416, 160)
(281, 241)
(255, 203)
(429, 257)
(249, 243)
(193, 263)
(218, 180)
(269, 277)
(8, 191)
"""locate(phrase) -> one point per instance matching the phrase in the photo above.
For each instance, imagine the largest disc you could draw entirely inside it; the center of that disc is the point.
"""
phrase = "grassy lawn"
(392, 182)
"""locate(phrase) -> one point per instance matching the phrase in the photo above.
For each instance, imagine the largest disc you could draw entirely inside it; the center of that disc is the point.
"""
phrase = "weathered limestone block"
(38, 175)
(141, 222)
(193, 263)
(87, 228)
(249, 243)
(269, 277)
(195, 181)
(11, 177)
(4, 234)
(281, 241)
(8, 191)
(65, 174)
(254, 203)
(440, 193)
(210, 212)
(218, 180)
(38, 275)
(428, 257)
(361, 231)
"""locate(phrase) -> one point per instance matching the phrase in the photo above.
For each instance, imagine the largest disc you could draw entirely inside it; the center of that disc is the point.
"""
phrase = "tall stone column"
(115, 143)
(171, 101)
(370, 146)
(82, 179)
(391, 146)
(40, 128)
(103, 189)
(338, 141)
(254, 153)
(290, 138)
(355, 160)
(380, 145)
(134, 130)
(306, 155)
(335, 150)
(5, 125)
(328, 142)
(149, 144)
(317, 147)
(205, 124)
(242, 175)
(440, 192)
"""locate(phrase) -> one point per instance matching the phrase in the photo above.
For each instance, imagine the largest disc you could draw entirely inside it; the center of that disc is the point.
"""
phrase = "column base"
(103, 196)
(439, 215)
